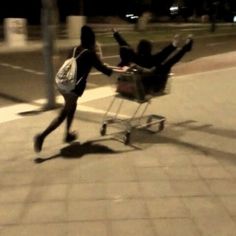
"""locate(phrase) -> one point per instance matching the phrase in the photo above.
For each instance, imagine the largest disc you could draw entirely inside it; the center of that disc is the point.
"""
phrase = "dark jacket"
(85, 63)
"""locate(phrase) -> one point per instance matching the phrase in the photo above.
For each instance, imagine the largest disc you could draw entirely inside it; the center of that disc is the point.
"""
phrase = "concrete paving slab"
(183, 176)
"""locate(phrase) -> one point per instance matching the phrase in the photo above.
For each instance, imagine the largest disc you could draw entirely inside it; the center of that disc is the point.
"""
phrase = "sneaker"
(70, 137)
(38, 143)
(176, 40)
(188, 43)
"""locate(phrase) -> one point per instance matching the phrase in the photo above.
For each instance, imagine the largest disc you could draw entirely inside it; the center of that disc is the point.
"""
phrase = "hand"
(114, 30)
(125, 68)
(121, 69)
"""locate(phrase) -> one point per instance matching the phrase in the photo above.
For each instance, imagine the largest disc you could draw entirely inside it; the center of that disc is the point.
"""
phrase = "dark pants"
(67, 112)
(129, 56)
(157, 81)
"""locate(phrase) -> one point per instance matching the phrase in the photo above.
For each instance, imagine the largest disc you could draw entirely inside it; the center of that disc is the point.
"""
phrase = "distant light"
(129, 15)
(234, 20)
(134, 17)
(174, 8)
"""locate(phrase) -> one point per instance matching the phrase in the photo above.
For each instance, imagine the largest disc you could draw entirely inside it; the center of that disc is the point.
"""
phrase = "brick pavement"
(177, 182)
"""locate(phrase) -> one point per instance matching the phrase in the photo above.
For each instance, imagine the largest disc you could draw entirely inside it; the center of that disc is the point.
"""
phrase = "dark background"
(31, 9)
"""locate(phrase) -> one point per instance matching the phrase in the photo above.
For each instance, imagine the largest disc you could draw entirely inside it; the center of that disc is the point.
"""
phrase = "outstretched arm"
(120, 40)
(106, 69)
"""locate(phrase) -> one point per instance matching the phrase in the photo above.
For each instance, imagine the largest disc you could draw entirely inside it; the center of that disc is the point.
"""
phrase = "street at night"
(25, 70)
(157, 163)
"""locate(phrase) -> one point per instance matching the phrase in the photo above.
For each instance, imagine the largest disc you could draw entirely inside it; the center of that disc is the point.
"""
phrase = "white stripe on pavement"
(12, 112)
(99, 111)
(16, 67)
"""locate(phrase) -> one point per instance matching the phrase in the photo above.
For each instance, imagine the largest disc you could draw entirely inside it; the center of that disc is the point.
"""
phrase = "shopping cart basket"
(130, 88)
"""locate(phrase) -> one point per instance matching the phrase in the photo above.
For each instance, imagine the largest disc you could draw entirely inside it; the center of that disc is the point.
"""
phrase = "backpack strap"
(74, 50)
(73, 55)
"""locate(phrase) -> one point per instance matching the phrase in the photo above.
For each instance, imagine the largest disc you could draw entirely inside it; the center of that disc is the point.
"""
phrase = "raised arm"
(120, 40)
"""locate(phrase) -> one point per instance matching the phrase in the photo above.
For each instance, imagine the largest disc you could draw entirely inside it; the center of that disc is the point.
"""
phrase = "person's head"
(144, 47)
(87, 37)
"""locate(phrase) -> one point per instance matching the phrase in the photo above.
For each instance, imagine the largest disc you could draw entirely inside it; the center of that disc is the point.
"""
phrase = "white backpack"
(66, 77)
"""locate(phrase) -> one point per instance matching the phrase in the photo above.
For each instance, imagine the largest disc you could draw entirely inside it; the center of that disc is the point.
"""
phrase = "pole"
(48, 30)
(214, 11)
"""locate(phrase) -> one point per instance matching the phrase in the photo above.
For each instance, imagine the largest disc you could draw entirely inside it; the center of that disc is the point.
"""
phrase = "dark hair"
(144, 47)
(87, 37)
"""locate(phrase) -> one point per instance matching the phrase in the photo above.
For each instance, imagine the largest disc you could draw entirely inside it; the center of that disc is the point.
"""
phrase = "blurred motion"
(38, 36)
(183, 176)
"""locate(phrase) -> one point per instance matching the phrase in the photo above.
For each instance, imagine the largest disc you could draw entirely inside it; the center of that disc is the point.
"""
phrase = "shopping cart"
(130, 88)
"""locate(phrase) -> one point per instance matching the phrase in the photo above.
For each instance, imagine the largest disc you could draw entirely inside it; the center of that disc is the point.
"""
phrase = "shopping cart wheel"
(127, 138)
(103, 129)
(161, 125)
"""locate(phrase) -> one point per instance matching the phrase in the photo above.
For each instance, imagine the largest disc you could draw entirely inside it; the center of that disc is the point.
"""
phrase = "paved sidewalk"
(177, 182)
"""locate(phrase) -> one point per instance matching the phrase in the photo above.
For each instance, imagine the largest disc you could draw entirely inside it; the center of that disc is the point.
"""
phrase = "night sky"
(31, 9)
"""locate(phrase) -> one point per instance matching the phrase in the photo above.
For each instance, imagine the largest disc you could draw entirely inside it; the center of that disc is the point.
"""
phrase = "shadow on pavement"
(40, 110)
(208, 151)
(12, 98)
(143, 139)
(173, 136)
(207, 128)
(78, 150)
(28, 113)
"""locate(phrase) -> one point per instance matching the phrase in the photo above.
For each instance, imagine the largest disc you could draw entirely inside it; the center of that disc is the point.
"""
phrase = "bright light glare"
(234, 20)
(174, 8)
(129, 15)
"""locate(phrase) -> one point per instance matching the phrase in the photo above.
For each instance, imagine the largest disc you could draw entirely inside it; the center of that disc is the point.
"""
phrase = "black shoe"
(188, 44)
(176, 41)
(70, 137)
(38, 143)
